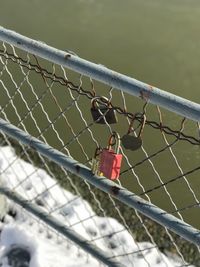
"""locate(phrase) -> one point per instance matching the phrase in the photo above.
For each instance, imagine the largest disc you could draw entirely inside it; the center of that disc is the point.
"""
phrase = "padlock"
(95, 162)
(110, 160)
(102, 113)
(131, 142)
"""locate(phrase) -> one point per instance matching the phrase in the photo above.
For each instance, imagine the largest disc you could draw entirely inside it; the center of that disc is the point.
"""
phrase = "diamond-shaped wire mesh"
(54, 105)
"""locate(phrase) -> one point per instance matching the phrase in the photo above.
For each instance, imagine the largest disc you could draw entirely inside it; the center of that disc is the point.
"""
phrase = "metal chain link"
(90, 94)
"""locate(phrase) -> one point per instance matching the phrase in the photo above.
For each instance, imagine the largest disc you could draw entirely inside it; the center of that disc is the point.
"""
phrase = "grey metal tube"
(61, 228)
(160, 216)
(119, 81)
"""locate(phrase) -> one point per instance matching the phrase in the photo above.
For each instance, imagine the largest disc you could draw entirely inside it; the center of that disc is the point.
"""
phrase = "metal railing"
(69, 159)
(100, 73)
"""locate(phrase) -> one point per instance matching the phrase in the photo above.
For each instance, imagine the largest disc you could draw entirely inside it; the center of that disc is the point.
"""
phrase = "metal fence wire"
(49, 134)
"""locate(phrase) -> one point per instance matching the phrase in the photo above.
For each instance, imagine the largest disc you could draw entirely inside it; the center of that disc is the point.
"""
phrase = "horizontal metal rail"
(100, 73)
(160, 216)
(60, 227)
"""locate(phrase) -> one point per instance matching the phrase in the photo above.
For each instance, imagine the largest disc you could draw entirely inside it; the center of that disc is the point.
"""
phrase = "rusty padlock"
(131, 142)
(95, 162)
(102, 113)
(110, 159)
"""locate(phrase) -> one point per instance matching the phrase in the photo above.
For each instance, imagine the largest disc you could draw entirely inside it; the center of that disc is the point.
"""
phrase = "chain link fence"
(48, 100)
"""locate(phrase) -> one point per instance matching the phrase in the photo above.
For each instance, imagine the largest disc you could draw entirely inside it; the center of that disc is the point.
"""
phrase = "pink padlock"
(110, 160)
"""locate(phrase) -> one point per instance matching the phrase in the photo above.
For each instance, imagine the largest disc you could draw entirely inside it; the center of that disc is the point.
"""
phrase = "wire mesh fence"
(160, 161)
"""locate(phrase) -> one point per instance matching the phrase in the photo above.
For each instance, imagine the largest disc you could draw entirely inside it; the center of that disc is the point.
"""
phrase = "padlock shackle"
(116, 142)
(110, 140)
(103, 99)
(142, 124)
(132, 121)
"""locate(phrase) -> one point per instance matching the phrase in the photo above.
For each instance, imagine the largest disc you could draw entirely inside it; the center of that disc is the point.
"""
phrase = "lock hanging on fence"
(131, 142)
(110, 159)
(102, 113)
(95, 162)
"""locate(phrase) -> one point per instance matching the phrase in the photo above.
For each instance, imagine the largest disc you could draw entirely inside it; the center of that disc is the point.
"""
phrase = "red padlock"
(110, 160)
